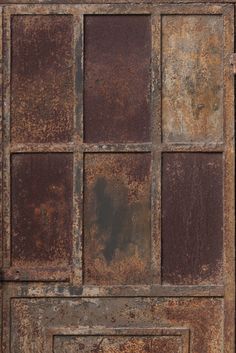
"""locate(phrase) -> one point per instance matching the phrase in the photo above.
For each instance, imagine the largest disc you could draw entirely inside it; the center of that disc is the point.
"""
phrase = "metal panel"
(117, 78)
(41, 209)
(192, 218)
(117, 218)
(192, 96)
(72, 344)
(56, 304)
(41, 78)
(197, 321)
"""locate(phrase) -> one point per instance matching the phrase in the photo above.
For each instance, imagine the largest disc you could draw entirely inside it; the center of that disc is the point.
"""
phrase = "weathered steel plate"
(42, 78)
(192, 218)
(117, 78)
(108, 344)
(51, 322)
(117, 218)
(93, 113)
(192, 61)
(41, 209)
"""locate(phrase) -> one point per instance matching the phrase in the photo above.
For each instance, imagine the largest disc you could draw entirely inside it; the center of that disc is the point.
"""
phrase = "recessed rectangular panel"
(192, 80)
(117, 78)
(195, 322)
(192, 218)
(117, 218)
(41, 195)
(117, 344)
(41, 78)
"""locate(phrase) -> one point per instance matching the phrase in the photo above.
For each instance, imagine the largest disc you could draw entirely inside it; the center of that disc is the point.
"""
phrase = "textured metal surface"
(41, 79)
(192, 218)
(192, 78)
(41, 209)
(104, 344)
(117, 78)
(117, 218)
(203, 317)
(54, 307)
(91, 2)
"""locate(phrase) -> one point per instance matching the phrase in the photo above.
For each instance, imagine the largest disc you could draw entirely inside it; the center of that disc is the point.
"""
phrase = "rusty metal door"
(118, 178)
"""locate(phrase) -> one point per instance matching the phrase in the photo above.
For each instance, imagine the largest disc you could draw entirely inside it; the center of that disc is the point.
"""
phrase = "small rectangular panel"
(192, 218)
(41, 197)
(192, 80)
(117, 78)
(117, 218)
(41, 78)
(104, 344)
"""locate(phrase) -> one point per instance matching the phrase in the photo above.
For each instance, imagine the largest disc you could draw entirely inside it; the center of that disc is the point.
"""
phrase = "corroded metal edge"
(65, 290)
(153, 2)
(229, 184)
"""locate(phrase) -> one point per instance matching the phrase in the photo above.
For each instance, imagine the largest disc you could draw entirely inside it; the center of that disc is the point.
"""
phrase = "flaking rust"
(117, 218)
(89, 265)
(41, 79)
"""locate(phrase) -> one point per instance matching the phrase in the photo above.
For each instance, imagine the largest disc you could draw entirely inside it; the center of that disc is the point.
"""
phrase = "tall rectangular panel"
(117, 78)
(117, 218)
(192, 218)
(41, 209)
(192, 79)
(41, 78)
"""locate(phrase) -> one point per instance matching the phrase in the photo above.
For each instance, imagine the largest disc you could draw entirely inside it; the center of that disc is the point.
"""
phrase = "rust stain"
(41, 209)
(192, 59)
(192, 218)
(117, 78)
(42, 78)
(117, 218)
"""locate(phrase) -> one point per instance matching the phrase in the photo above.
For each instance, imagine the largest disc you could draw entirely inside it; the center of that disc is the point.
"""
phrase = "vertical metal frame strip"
(229, 183)
(156, 154)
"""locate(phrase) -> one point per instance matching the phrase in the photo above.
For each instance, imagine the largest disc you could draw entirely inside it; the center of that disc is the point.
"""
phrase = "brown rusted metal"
(192, 78)
(41, 79)
(41, 209)
(100, 296)
(233, 62)
(117, 218)
(192, 218)
(117, 79)
(69, 320)
(107, 344)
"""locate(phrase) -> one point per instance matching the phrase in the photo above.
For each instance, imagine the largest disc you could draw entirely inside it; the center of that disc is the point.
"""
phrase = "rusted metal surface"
(48, 305)
(119, 2)
(41, 79)
(192, 79)
(202, 318)
(117, 78)
(233, 62)
(192, 218)
(104, 344)
(41, 209)
(117, 218)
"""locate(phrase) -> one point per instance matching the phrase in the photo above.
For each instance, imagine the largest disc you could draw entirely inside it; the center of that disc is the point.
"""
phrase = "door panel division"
(118, 178)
